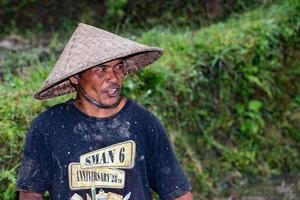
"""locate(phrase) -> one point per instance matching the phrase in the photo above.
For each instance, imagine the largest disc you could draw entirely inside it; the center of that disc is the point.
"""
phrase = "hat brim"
(133, 62)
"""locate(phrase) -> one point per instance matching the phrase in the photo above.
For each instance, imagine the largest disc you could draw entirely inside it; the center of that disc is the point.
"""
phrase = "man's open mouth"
(112, 92)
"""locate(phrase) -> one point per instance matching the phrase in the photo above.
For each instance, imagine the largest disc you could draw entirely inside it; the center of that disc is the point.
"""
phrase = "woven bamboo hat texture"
(90, 46)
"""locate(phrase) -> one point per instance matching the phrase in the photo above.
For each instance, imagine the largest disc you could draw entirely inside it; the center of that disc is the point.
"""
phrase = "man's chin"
(111, 101)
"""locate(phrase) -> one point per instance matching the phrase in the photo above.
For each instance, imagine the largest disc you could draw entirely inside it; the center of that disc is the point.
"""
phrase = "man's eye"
(120, 66)
(100, 69)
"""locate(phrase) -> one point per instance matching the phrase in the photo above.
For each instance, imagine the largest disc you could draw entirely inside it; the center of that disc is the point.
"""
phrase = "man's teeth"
(112, 91)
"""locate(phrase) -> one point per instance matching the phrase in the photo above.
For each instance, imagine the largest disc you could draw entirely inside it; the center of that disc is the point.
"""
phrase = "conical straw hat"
(90, 46)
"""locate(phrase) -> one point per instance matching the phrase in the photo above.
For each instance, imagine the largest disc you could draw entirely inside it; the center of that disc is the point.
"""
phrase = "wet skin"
(103, 83)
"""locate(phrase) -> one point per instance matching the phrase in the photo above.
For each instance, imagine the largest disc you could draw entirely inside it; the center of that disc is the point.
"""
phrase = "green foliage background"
(228, 93)
(55, 15)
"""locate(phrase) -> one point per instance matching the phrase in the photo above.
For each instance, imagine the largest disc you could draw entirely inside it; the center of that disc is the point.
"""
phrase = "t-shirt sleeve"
(165, 174)
(36, 166)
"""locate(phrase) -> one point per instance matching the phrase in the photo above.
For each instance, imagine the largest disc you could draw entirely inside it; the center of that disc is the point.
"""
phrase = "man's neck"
(92, 110)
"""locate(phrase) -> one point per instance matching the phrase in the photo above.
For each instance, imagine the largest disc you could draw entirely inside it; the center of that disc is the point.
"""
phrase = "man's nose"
(113, 75)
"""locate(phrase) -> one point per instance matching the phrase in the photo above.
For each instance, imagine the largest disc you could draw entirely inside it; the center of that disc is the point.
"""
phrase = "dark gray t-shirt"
(73, 156)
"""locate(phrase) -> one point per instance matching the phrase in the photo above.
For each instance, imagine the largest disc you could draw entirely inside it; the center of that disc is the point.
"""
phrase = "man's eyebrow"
(120, 62)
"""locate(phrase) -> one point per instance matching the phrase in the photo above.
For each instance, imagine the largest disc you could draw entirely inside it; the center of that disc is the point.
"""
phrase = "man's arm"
(30, 196)
(186, 196)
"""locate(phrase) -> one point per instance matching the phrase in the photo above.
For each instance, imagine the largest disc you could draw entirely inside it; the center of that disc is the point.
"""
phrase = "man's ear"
(74, 79)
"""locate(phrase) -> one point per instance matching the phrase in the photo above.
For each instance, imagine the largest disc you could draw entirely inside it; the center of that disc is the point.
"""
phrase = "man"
(100, 145)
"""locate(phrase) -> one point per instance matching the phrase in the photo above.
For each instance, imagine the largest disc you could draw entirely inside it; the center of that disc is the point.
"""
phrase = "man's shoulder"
(138, 108)
(57, 110)
(143, 113)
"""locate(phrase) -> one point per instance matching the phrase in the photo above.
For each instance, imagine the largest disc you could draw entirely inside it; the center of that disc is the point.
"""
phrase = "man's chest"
(101, 158)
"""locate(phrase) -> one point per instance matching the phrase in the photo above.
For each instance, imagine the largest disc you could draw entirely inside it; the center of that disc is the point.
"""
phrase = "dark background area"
(54, 15)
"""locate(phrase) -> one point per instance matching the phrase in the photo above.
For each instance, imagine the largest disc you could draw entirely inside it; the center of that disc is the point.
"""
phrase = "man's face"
(103, 82)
